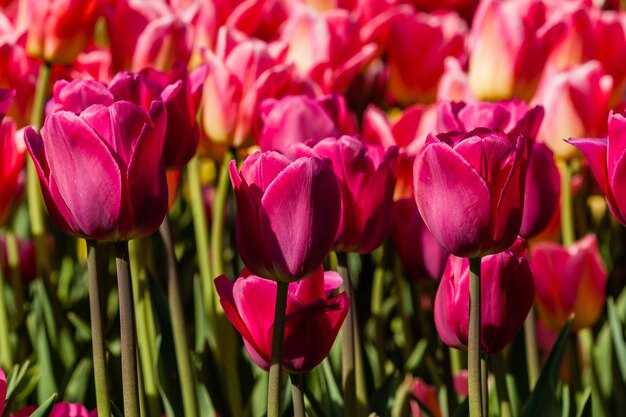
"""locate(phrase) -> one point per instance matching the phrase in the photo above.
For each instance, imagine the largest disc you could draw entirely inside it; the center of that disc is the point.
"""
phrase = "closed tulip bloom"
(507, 293)
(605, 157)
(569, 281)
(58, 30)
(13, 156)
(577, 105)
(101, 171)
(367, 178)
(287, 214)
(313, 319)
(509, 45)
(469, 189)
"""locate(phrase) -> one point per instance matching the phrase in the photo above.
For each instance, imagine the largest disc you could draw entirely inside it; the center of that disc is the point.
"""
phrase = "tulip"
(101, 171)
(312, 321)
(287, 214)
(3, 391)
(302, 119)
(58, 30)
(542, 191)
(605, 157)
(65, 409)
(610, 33)
(27, 261)
(576, 103)
(509, 44)
(13, 156)
(366, 175)
(427, 395)
(507, 293)
(419, 45)
(569, 281)
(469, 189)
(419, 251)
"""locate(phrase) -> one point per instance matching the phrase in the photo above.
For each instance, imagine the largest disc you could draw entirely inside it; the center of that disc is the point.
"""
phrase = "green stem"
(201, 228)
(6, 352)
(181, 346)
(404, 307)
(348, 376)
(218, 209)
(297, 390)
(273, 388)
(532, 353)
(13, 261)
(97, 334)
(473, 354)
(146, 333)
(567, 210)
(501, 385)
(378, 289)
(127, 332)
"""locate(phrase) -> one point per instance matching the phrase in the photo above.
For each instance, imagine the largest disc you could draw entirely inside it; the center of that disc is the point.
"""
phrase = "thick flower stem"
(273, 387)
(181, 346)
(6, 355)
(348, 373)
(297, 395)
(97, 334)
(130, 386)
(473, 354)
(567, 210)
(532, 352)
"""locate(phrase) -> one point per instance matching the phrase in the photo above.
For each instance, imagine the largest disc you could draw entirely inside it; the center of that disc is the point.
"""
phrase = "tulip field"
(312, 208)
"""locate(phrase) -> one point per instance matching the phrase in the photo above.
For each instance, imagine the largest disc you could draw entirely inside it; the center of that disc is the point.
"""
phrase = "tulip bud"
(314, 316)
(287, 214)
(101, 171)
(507, 293)
(469, 189)
(366, 175)
(569, 281)
(606, 159)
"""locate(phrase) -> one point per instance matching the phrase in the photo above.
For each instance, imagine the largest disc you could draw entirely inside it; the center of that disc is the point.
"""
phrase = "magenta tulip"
(3, 391)
(314, 316)
(569, 281)
(65, 409)
(101, 171)
(367, 177)
(507, 293)
(13, 156)
(469, 189)
(287, 214)
(606, 159)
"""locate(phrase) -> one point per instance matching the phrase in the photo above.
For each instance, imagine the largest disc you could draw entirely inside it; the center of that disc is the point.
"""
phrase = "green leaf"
(334, 394)
(617, 336)
(584, 408)
(44, 409)
(543, 401)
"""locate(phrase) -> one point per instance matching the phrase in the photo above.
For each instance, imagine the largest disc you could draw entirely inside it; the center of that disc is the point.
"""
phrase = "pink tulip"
(605, 157)
(326, 47)
(3, 391)
(542, 192)
(58, 30)
(507, 295)
(509, 44)
(366, 175)
(454, 83)
(101, 171)
(181, 136)
(287, 214)
(469, 189)
(13, 156)
(314, 316)
(302, 119)
(610, 31)
(576, 103)
(241, 74)
(65, 409)
(420, 253)
(149, 34)
(418, 47)
(569, 281)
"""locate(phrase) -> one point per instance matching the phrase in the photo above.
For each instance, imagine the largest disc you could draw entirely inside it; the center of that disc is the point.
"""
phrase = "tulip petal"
(310, 288)
(452, 198)
(77, 151)
(299, 216)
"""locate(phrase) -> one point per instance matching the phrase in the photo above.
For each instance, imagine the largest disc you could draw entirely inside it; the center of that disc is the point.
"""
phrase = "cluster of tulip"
(456, 162)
